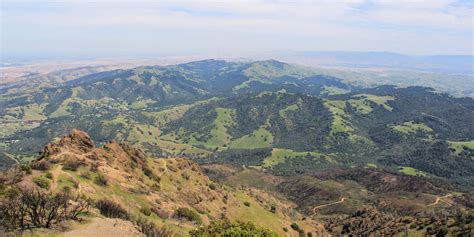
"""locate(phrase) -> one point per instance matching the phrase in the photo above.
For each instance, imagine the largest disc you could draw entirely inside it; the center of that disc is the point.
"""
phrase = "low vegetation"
(112, 209)
(41, 182)
(101, 180)
(231, 228)
(188, 214)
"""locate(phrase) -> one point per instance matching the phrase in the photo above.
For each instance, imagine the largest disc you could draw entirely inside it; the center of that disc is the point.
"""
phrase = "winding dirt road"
(329, 204)
(440, 199)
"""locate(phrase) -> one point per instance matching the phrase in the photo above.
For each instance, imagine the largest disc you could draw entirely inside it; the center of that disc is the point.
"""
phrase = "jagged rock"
(76, 142)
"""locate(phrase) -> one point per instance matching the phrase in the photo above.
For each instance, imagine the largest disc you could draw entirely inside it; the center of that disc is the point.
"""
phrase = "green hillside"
(207, 144)
(206, 107)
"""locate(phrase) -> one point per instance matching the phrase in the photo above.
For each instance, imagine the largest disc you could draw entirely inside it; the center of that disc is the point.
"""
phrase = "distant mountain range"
(457, 64)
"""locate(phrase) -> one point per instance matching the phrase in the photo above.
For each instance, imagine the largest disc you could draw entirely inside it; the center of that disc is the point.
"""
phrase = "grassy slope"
(339, 124)
(412, 127)
(219, 138)
(362, 102)
(225, 118)
(260, 138)
(263, 71)
(280, 155)
(379, 100)
(21, 118)
(458, 146)
(151, 134)
(412, 171)
(180, 184)
(332, 90)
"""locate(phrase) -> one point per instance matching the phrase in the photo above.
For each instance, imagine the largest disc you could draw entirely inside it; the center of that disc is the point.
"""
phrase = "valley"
(279, 145)
(236, 118)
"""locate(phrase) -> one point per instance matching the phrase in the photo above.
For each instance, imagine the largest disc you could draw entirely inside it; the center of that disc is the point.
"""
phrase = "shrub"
(40, 165)
(101, 180)
(247, 204)
(146, 211)
(109, 208)
(285, 229)
(48, 175)
(85, 175)
(149, 229)
(212, 186)
(188, 214)
(172, 168)
(273, 209)
(309, 234)
(185, 175)
(72, 165)
(26, 168)
(296, 227)
(148, 172)
(228, 228)
(163, 214)
(75, 183)
(94, 167)
(41, 182)
(156, 187)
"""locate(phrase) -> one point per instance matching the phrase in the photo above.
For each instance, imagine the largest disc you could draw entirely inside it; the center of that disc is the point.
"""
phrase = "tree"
(25, 209)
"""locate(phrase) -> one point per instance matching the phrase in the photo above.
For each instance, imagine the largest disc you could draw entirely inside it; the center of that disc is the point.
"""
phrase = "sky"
(146, 28)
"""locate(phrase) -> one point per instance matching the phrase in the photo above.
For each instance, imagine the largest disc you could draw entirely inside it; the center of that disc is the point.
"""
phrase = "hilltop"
(173, 194)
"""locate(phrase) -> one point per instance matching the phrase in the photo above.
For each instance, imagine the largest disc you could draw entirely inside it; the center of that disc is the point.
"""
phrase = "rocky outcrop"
(76, 142)
(121, 154)
(78, 148)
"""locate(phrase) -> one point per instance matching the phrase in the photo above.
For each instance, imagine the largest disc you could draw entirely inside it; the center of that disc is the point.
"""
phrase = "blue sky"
(110, 28)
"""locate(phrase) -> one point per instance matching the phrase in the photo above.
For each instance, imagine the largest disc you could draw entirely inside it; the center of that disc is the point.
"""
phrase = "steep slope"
(156, 189)
(364, 201)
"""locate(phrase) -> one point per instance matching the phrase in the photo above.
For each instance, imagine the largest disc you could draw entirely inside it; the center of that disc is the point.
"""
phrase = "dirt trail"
(166, 169)
(329, 204)
(440, 199)
(105, 228)
(56, 172)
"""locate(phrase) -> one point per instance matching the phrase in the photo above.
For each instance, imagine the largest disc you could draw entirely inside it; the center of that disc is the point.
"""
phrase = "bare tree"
(26, 209)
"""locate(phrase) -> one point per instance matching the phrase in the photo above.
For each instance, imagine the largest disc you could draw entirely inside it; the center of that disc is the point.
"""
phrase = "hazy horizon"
(140, 29)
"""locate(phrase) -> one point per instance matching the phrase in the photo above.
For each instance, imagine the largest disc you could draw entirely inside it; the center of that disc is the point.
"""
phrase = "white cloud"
(261, 25)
